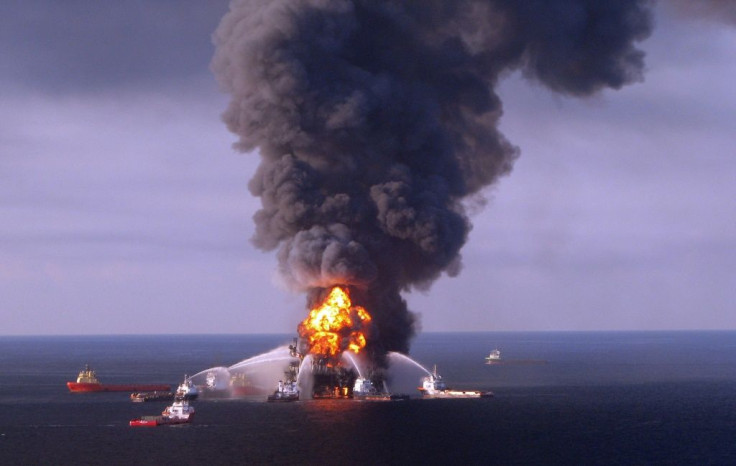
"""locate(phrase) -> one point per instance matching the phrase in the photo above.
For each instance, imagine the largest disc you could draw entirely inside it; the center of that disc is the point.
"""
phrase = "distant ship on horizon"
(495, 356)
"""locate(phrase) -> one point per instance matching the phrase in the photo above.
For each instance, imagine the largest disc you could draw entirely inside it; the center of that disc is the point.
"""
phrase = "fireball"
(335, 325)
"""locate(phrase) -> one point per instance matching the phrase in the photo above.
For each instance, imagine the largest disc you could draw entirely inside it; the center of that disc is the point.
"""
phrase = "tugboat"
(286, 391)
(87, 382)
(187, 390)
(178, 413)
(434, 387)
(289, 390)
(494, 357)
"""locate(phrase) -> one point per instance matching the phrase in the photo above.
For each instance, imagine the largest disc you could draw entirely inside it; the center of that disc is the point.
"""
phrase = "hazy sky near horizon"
(124, 208)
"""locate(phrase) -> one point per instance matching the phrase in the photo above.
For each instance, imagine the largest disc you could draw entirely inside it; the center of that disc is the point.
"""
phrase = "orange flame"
(335, 325)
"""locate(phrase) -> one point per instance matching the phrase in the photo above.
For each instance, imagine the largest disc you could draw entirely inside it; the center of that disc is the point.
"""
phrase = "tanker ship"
(87, 382)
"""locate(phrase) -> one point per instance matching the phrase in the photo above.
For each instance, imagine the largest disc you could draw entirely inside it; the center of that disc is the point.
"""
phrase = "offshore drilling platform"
(333, 331)
(324, 377)
(332, 358)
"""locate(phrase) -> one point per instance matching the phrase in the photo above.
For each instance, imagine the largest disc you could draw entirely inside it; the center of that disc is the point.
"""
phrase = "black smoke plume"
(375, 120)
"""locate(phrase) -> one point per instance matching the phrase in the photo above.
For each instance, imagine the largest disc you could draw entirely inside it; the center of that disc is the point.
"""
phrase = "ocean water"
(582, 398)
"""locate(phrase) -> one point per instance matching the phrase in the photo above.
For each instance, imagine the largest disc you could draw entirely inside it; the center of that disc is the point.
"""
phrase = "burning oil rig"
(327, 377)
(333, 329)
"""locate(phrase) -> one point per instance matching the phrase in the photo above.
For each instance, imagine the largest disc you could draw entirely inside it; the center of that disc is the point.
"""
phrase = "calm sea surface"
(594, 398)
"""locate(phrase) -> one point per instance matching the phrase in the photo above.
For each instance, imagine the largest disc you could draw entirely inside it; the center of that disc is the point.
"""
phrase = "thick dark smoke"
(375, 120)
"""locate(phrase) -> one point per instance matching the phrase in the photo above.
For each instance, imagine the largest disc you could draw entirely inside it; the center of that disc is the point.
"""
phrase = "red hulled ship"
(178, 413)
(87, 382)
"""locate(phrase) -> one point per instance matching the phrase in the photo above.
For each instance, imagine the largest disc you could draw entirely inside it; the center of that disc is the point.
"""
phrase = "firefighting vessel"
(286, 391)
(180, 412)
(365, 390)
(187, 390)
(87, 382)
(434, 387)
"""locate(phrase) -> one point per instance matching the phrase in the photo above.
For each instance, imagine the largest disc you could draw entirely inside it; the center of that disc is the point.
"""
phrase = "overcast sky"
(124, 208)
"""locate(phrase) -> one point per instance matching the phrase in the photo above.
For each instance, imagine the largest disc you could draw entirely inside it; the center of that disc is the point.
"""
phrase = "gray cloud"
(87, 46)
(717, 10)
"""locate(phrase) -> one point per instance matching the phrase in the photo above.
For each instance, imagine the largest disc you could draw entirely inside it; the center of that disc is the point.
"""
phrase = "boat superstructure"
(365, 389)
(187, 390)
(285, 391)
